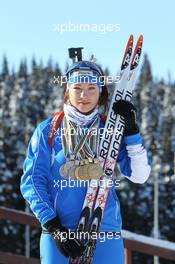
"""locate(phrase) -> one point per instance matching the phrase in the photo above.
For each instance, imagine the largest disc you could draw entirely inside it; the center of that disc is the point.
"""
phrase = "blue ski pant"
(110, 251)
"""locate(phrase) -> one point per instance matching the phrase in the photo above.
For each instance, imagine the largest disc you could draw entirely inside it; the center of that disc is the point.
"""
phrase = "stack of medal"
(83, 168)
(88, 169)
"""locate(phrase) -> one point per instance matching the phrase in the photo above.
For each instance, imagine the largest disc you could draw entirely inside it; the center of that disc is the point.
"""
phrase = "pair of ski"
(97, 193)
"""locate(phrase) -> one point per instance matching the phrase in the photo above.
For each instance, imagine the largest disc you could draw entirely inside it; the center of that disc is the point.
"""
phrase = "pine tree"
(10, 196)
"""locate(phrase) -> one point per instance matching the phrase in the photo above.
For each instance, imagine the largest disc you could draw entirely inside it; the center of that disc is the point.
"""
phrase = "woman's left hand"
(128, 111)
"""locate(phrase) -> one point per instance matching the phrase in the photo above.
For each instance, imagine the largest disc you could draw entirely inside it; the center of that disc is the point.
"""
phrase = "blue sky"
(28, 28)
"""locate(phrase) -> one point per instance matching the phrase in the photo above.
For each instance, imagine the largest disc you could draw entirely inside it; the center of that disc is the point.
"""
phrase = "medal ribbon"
(78, 145)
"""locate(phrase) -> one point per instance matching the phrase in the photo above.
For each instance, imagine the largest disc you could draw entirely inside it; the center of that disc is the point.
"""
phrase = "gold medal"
(81, 171)
(95, 171)
(92, 170)
(76, 173)
(64, 169)
(72, 170)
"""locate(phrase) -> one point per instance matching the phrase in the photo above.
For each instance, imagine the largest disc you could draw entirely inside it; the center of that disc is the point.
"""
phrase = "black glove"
(128, 111)
(68, 246)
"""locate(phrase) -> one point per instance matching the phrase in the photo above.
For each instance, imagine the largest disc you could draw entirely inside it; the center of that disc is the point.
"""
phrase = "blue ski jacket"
(50, 195)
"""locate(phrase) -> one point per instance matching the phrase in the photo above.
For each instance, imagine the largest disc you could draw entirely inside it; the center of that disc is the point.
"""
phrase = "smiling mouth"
(84, 103)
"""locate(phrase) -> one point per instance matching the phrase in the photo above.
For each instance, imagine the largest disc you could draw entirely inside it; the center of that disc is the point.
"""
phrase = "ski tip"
(130, 41)
(137, 53)
(128, 52)
(140, 39)
(131, 38)
(129, 44)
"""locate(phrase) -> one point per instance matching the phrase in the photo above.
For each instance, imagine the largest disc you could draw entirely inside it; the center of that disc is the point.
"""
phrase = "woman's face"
(84, 96)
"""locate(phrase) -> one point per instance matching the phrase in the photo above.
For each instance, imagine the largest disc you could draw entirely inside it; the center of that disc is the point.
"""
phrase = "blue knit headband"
(85, 76)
